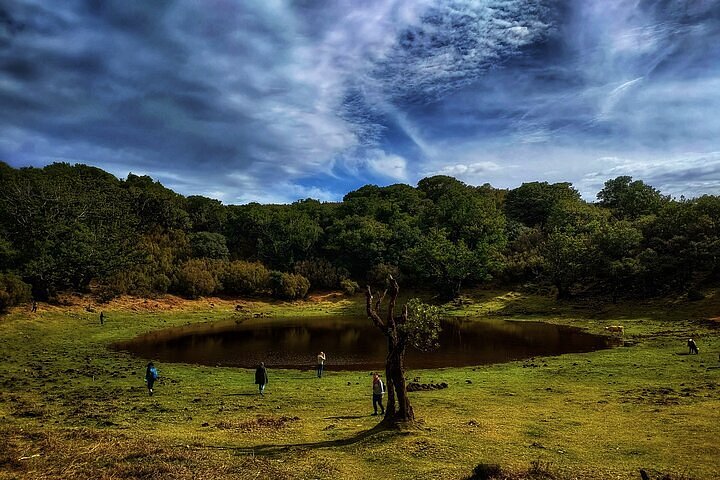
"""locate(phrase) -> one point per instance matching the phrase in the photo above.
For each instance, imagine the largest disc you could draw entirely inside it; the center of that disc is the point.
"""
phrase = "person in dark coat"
(102, 318)
(693, 346)
(378, 390)
(151, 374)
(34, 306)
(261, 377)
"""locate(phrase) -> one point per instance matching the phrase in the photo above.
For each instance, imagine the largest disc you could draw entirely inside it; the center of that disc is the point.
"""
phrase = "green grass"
(70, 407)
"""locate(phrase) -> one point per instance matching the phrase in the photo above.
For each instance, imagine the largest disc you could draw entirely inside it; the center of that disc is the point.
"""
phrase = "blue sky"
(273, 100)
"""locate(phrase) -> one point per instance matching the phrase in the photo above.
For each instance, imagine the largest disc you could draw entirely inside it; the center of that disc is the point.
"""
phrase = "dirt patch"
(73, 302)
(260, 423)
(667, 395)
(425, 387)
(325, 297)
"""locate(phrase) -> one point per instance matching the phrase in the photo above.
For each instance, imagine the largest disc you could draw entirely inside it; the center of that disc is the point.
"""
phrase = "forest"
(78, 228)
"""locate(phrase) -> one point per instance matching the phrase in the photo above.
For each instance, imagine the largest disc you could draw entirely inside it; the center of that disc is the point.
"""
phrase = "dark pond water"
(354, 343)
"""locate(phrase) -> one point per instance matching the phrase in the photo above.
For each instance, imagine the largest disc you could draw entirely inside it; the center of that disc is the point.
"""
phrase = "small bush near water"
(289, 286)
(13, 291)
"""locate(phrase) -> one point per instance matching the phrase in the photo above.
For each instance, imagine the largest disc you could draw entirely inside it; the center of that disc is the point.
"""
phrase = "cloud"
(393, 167)
(685, 175)
(272, 101)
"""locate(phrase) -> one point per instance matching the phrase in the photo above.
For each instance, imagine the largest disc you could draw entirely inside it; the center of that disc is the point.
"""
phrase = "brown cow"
(616, 329)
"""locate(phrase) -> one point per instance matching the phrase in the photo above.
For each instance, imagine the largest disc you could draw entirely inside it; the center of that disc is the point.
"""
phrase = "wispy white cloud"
(390, 166)
(686, 175)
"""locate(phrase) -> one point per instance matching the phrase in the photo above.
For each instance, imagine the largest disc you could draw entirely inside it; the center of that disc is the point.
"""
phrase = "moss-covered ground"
(70, 407)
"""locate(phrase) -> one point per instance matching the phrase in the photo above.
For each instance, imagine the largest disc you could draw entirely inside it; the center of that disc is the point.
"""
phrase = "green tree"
(277, 235)
(566, 256)
(446, 264)
(208, 245)
(206, 214)
(532, 203)
(630, 199)
(156, 207)
(617, 246)
(357, 242)
(70, 224)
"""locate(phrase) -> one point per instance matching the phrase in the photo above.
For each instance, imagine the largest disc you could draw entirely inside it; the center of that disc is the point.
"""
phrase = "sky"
(273, 101)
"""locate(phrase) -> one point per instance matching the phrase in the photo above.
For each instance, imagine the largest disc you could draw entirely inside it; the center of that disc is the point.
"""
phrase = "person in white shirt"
(320, 364)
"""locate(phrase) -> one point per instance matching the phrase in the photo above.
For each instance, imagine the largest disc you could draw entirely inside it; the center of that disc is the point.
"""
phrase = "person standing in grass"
(261, 377)
(378, 389)
(320, 364)
(151, 374)
(102, 318)
(34, 306)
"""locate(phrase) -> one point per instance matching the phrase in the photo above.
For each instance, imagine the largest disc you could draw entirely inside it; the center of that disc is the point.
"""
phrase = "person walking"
(151, 374)
(378, 389)
(34, 306)
(261, 377)
(320, 364)
(692, 346)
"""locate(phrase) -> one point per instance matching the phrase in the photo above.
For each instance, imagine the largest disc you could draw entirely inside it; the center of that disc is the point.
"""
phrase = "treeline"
(79, 228)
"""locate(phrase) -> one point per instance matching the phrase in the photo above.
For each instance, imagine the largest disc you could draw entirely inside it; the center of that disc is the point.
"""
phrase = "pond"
(355, 343)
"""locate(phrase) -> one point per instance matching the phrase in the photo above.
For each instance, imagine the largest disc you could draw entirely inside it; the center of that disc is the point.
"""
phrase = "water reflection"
(354, 343)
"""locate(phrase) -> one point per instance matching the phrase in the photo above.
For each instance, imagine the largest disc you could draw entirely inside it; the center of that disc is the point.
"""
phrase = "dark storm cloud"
(278, 100)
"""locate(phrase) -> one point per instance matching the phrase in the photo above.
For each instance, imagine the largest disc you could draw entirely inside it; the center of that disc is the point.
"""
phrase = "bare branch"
(372, 312)
(394, 292)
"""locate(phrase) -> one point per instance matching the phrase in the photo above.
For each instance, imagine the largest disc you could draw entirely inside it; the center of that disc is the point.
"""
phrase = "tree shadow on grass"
(346, 417)
(380, 430)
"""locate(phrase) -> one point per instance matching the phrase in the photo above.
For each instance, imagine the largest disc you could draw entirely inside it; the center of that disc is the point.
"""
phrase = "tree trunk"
(398, 407)
(398, 404)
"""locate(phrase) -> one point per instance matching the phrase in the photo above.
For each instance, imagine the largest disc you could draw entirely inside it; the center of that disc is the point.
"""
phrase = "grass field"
(70, 407)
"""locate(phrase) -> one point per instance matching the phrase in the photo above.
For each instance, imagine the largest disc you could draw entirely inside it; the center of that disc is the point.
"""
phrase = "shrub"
(195, 278)
(137, 281)
(321, 273)
(160, 283)
(241, 277)
(349, 287)
(289, 286)
(13, 291)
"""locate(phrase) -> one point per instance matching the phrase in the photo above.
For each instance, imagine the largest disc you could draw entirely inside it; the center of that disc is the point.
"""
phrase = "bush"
(195, 278)
(349, 287)
(321, 273)
(245, 277)
(289, 286)
(137, 281)
(13, 291)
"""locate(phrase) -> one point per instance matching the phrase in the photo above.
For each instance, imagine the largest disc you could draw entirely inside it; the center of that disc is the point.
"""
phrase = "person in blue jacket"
(151, 374)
